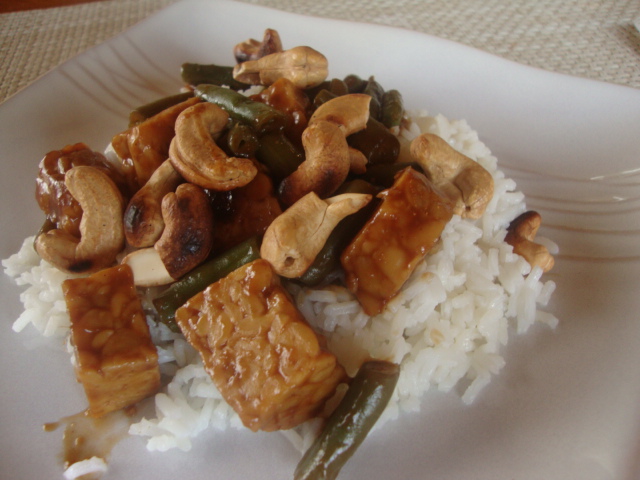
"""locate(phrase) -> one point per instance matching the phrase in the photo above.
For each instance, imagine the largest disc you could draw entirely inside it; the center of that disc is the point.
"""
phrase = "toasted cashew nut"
(294, 239)
(195, 155)
(148, 268)
(325, 167)
(357, 161)
(520, 235)
(304, 66)
(187, 237)
(253, 49)
(461, 179)
(349, 112)
(143, 222)
(101, 230)
(328, 158)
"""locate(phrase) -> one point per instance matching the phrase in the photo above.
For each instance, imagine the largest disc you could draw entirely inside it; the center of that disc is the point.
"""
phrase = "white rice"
(89, 468)
(447, 326)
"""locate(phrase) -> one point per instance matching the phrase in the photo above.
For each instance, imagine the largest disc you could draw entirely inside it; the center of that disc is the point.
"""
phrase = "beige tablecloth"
(587, 38)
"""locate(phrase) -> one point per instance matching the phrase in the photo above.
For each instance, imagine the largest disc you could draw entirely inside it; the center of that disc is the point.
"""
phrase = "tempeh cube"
(265, 360)
(115, 359)
(405, 226)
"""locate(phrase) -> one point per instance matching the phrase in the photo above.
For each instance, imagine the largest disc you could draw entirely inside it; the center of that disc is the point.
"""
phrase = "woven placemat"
(587, 38)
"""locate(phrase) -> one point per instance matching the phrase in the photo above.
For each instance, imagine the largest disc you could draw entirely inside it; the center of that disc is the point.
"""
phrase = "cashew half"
(349, 112)
(148, 268)
(304, 66)
(357, 161)
(460, 178)
(195, 155)
(143, 222)
(328, 157)
(253, 49)
(326, 165)
(294, 239)
(520, 235)
(101, 229)
(187, 237)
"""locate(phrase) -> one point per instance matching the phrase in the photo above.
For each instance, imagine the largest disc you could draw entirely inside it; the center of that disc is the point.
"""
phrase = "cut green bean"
(242, 140)
(357, 185)
(392, 109)
(354, 83)
(148, 110)
(281, 157)
(313, 91)
(347, 427)
(197, 74)
(377, 143)
(375, 90)
(201, 277)
(261, 117)
(338, 87)
(323, 96)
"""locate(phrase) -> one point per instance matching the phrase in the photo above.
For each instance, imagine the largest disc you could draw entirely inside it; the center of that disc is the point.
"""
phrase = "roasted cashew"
(253, 49)
(101, 230)
(520, 235)
(195, 155)
(460, 178)
(326, 164)
(148, 268)
(304, 66)
(328, 158)
(349, 112)
(294, 239)
(187, 237)
(357, 161)
(143, 222)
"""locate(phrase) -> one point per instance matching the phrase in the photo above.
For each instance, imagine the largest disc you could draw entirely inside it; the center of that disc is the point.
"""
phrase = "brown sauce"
(85, 437)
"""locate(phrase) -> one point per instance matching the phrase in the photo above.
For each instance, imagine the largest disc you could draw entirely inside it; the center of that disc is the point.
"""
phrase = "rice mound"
(446, 326)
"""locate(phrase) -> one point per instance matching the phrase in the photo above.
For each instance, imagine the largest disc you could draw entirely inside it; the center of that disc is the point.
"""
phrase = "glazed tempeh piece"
(115, 359)
(405, 226)
(267, 362)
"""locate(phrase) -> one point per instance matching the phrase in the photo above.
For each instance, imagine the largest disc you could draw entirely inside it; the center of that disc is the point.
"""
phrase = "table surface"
(595, 39)
(19, 5)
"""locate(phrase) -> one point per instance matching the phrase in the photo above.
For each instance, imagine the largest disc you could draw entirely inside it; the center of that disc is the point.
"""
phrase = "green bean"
(261, 117)
(281, 157)
(242, 140)
(377, 143)
(323, 96)
(335, 86)
(348, 426)
(313, 91)
(383, 174)
(201, 277)
(338, 87)
(327, 262)
(197, 74)
(148, 110)
(392, 109)
(354, 83)
(357, 185)
(375, 90)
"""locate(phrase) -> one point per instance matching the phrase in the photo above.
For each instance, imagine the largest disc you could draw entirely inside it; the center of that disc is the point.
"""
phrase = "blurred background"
(596, 39)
